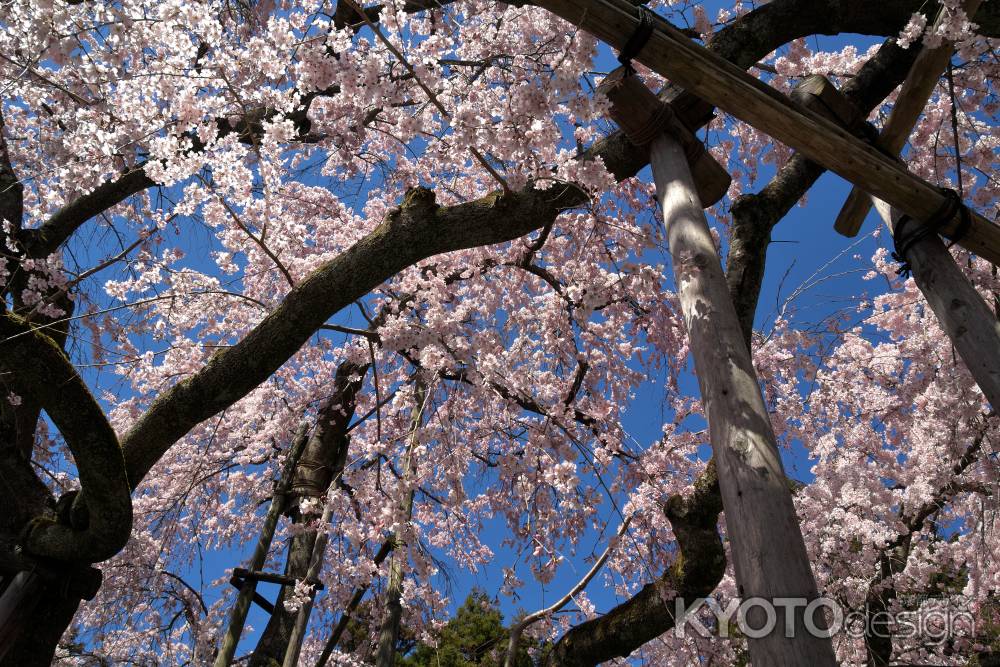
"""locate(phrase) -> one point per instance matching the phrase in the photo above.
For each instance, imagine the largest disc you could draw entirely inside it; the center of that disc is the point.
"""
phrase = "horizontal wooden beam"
(271, 578)
(723, 84)
(643, 117)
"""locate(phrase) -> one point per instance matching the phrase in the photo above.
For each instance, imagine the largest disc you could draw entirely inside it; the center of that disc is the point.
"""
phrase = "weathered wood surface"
(643, 117)
(819, 95)
(973, 328)
(726, 86)
(960, 310)
(769, 554)
(909, 105)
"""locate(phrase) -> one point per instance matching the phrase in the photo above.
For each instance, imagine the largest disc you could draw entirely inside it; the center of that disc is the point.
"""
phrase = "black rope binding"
(902, 242)
(642, 33)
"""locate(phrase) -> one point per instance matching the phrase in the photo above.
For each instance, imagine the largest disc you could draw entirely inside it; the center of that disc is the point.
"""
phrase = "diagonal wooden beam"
(720, 83)
(909, 105)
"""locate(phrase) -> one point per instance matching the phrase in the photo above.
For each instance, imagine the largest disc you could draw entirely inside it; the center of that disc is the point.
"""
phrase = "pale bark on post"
(963, 314)
(389, 632)
(769, 554)
(239, 615)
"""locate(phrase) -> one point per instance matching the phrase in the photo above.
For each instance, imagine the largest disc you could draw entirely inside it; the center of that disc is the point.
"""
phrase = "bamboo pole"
(352, 605)
(312, 574)
(973, 328)
(910, 103)
(723, 84)
(389, 632)
(239, 616)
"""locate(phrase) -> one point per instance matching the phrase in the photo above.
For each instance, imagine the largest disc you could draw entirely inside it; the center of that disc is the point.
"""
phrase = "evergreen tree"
(476, 636)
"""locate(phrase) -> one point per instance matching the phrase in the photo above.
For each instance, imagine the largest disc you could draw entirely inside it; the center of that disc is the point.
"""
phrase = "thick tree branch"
(99, 530)
(415, 231)
(11, 190)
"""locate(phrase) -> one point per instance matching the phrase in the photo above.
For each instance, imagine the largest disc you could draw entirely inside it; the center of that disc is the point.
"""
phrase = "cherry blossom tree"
(407, 234)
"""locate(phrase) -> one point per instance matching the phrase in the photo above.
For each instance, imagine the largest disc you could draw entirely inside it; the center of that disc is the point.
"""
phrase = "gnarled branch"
(37, 366)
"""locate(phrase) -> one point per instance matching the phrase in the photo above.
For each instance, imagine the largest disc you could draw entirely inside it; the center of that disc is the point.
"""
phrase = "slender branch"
(258, 241)
(697, 569)
(427, 91)
(519, 628)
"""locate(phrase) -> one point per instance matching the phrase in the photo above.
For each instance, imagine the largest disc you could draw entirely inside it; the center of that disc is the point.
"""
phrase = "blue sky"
(806, 251)
(804, 243)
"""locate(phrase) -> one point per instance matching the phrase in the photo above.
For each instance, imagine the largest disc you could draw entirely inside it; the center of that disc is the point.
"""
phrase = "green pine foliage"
(474, 637)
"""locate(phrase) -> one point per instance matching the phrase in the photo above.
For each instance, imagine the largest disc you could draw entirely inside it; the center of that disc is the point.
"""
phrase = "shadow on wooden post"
(769, 554)
(643, 117)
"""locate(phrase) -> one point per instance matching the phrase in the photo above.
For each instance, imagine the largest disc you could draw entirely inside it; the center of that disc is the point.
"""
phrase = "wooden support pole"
(816, 93)
(239, 615)
(258, 599)
(19, 596)
(961, 312)
(769, 554)
(910, 103)
(973, 328)
(312, 574)
(723, 84)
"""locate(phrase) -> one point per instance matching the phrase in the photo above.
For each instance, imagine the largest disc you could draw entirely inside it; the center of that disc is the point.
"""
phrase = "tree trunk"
(769, 553)
(44, 624)
(321, 464)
